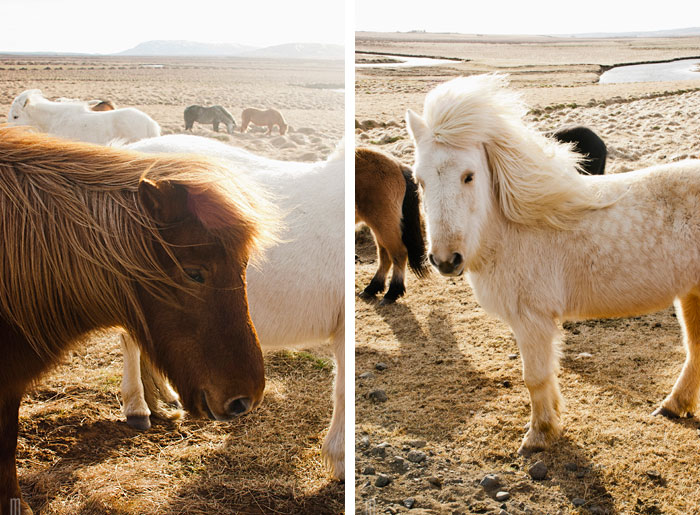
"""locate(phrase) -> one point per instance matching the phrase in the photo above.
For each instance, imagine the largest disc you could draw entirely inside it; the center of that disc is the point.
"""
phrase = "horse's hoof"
(528, 450)
(366, 295)
(664, 413)
(175, 404)
(139, 422)
(386, 301)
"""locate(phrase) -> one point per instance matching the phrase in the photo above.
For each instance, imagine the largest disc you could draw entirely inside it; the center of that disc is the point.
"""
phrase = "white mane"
(535, 179)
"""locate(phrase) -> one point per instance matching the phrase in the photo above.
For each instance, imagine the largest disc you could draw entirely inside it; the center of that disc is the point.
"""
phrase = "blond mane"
(536, 179)
(75, 234)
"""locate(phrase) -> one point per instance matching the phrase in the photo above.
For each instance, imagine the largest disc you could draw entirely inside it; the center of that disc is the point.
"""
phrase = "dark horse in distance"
(214, 115)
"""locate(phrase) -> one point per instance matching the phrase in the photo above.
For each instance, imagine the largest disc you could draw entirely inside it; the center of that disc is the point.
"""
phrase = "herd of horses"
(155, 235)
(115, 225)
(100, 121)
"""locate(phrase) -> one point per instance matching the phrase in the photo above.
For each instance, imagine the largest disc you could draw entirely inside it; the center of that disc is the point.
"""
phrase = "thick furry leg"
(135, 406)
(376, 285)
(536, 341)
(333, 450)
(11, 502)
(158, 393)
(683, 399)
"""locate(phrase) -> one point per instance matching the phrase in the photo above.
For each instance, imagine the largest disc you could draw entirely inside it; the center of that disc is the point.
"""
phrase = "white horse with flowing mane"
(541, 243)
(75, 120)
(296, 293)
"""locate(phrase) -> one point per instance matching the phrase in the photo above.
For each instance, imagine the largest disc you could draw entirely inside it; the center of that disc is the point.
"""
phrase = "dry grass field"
(457, 405)
(76, 455)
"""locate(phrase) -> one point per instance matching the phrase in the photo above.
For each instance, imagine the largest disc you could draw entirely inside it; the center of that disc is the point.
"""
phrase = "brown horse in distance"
(263, 118)
(386, 199)
(97, 237)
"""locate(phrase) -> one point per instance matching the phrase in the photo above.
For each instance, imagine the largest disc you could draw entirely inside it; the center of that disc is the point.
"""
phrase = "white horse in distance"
(75, 120)
(541, 243)
(296, 293)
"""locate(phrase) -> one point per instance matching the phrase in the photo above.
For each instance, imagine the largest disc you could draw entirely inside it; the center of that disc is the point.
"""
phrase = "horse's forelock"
(535, 180)
(468, 110)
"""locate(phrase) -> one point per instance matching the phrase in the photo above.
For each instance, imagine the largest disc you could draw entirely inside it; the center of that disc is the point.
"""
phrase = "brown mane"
(73, 229)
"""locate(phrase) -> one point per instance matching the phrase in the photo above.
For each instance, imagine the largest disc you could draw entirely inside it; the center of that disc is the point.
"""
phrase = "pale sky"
(95, 26)
(525, 16)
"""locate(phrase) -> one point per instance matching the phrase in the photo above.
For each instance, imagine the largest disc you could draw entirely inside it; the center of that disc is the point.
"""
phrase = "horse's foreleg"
(11, 502)
(135, 406)
(377, 283)
(536, 341)
(216, 126)
(683, 399)
(333, 450)
(158, 391)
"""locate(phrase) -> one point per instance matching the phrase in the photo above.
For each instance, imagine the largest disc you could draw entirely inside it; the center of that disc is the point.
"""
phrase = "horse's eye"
(468, 178)
(195, 274)
(15, 117)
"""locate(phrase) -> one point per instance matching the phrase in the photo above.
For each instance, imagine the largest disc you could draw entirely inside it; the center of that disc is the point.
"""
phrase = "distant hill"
(181, 47)
(193, 48)
(670, 33)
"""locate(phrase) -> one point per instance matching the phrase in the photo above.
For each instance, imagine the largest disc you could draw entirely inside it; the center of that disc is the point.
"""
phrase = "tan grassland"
(453, 376)
(76, 455)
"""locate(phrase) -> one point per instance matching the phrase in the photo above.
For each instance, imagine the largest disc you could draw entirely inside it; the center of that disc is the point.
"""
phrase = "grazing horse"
(541, 243)
(75, 120)
(97, 237)
(263, 118)
(296, 293)
(587, 143)
(214, 115)
(386, 199)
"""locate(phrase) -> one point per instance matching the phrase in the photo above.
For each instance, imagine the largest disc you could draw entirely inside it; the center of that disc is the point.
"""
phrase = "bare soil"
(453, 376)
(76, 455)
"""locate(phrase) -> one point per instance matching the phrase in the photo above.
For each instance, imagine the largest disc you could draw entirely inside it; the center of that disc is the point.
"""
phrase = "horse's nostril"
(238, 406)
(432, 260)
(456, 259)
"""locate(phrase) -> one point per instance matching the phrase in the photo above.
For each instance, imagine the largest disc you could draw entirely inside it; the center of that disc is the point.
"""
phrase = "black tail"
(411, 231)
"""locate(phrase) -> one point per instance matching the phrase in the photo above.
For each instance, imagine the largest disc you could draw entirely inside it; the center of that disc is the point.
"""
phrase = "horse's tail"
(411, 232)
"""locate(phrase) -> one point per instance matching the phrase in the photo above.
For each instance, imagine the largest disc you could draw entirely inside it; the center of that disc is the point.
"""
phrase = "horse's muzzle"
(452, 268)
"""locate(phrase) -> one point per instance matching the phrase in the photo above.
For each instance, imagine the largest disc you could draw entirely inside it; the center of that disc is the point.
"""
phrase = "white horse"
(75, 120)
(541, 243)
(296, 293)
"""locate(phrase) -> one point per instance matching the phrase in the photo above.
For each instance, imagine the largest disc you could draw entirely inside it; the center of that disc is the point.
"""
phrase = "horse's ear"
(416, 126)
(163, 201)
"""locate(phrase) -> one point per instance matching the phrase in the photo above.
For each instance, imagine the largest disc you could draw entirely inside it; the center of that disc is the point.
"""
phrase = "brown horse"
(386, 199)
(96, 237)
(263, 118)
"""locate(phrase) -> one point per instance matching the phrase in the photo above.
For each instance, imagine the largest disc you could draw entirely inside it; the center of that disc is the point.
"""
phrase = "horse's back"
(631, 257)
(132, 124)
